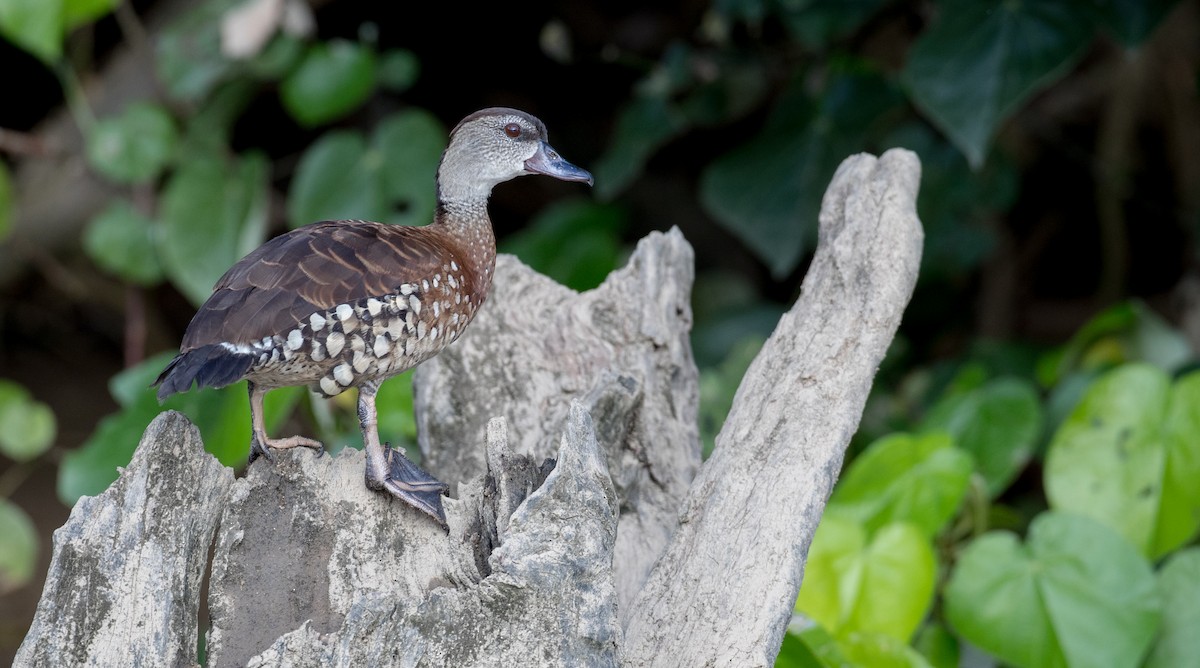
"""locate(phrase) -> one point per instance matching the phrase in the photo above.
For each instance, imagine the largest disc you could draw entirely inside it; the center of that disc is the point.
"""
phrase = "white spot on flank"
(453, 283)
(409, 344)
(295, 340)
(458, 298)
(343, 375)
(437, 307)
(425, 285)
(374, 306)
(381, 346)
(344, 312)
(361, 362)
(433, 332)
(316, 321)
(453, 266)
(421, 329)
(436, 278)
(335, 343)
(329, 387)
(414, 304)
(406, 289)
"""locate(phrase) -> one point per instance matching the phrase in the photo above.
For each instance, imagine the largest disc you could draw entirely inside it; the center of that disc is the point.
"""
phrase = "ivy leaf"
(333, 79)
(767, 192)
(36, 27)
(998, 424)
(1075, 594)
(1129, 456)
(392, 179)
(1178, 644)
(903, 478)
(1132, 21)
(121, 241)
(213, 213)
(134, 146)
(18, 550)
(980, 61)
(645, 124)
(852, 585)
(27, 426)
(575, 242)
(817, 23)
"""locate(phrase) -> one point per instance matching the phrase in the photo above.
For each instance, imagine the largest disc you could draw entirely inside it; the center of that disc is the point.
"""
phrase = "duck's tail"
(207, 366)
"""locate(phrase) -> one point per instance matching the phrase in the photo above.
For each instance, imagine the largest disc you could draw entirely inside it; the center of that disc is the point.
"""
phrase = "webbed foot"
(411, 484)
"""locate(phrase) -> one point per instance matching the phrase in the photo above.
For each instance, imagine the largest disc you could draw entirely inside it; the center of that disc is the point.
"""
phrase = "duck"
(343, 304)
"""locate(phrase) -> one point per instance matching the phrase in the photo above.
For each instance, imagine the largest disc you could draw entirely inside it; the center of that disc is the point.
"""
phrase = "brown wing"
(312, 269)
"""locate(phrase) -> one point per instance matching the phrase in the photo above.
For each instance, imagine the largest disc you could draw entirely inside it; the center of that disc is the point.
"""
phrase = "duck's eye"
(512, 130)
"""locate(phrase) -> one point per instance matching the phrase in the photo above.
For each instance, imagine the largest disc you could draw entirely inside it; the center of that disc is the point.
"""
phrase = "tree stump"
(621, 550)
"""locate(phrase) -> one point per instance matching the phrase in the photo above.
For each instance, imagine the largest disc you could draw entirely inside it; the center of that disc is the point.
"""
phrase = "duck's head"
(494, 145)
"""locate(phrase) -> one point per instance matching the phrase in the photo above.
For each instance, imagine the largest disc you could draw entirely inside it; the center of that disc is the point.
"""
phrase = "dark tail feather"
(207, 366)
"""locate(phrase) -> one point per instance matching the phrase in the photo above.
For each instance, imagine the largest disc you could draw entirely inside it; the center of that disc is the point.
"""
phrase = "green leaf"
(408, 146)
(918, 479)
(795, 653)
(645, 124)
(1132, 21)
(334, 181)
(1075, 594)
(189, 60)
(768, 191)
(79, 12)
(938, 646)
(36, 27)
(121, 241)
(27, 426)
(883, 586)
(18, 550)
(333, 79)
(398, 70)
(213, 213)
(1178, 644)
(6, 202)
(397, 421)
(998, 424)
(392, 180)
(817, 23)
(980, 61)
(134, 146)
(1129, 456)
(1127, 332)
(879, 651)
(576, 242)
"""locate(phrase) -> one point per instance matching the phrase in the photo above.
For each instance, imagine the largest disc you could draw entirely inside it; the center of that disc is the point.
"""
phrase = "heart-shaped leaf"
(27, 426)
(333, 79)
(1178, 644)
(134, 146)
(121, 241)
(18, 550)
(1074, 594)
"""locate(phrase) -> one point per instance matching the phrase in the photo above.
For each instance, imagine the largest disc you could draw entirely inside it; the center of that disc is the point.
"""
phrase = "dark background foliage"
(1060, 143)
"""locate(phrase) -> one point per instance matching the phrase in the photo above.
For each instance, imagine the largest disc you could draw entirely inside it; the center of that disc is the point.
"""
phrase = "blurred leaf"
(1178, 644)
(905, 478)
(279, 56)
(391, 180)
(79, 12)
(223, 417)
(335, 182)
(394, 402)
(27, 426)
(1129, 456)
(1127, 332)
(18, 550)
(121, 241)
(409, 144)
(768, 191)
(957, 205)
(879, 650)
(6, 202)
(213, 213)
(733, 87)
(938, 646)
(979, 61)
(189, 60)
(719, 385)
(398, 70)
(852, 585)
(644, 125)
(333, 79)
(817, 23)
(998, 424)
(576, 242)
(134, 146)
(36, 26)
(1075, 594)
(794, 653)
(1132, 21)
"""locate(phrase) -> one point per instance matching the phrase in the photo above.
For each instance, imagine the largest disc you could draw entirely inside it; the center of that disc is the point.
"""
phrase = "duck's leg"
(388, 469)
(260, 443)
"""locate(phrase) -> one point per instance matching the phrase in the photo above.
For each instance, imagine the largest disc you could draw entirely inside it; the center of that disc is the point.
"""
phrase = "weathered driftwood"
(613, 555)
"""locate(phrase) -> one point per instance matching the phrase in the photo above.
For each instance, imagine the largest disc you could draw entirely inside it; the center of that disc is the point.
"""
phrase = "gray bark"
(613, 555)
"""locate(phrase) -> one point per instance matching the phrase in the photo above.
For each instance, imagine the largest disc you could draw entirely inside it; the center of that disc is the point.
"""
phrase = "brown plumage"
(342, 304)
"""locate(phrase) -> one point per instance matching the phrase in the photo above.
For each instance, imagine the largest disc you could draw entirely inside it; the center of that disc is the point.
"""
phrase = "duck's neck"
(469, 228)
